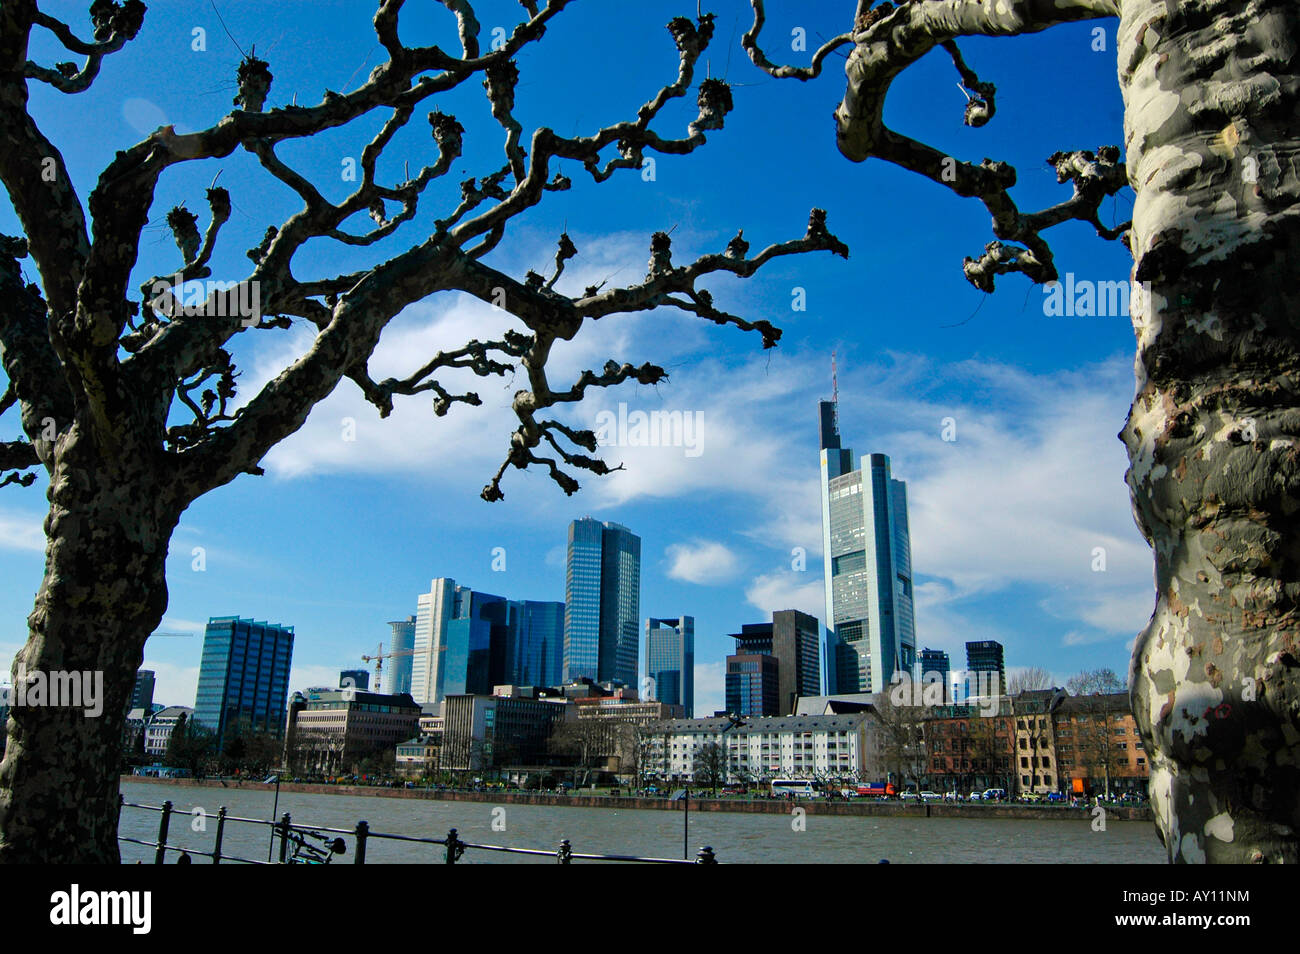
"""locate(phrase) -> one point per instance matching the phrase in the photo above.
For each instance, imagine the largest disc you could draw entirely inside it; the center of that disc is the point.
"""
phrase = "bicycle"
(306, 853)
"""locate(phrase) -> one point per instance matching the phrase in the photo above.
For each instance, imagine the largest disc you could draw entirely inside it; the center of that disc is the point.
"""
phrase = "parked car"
(951, 797)
(930, 796)
(995, 794)
(1031, 797)
(976, 796)
(910, 797)
(1055, 797)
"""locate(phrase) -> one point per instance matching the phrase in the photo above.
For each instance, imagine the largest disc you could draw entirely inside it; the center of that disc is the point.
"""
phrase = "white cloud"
(710, 688)
(702, 561)
(784, 590)
(20, 531)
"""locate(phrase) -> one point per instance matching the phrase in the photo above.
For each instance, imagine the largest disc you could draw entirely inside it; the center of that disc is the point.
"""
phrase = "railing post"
(565, 855)
(160, 853)
(455, 847)
(221, 829)
(283, 825)
(706, 856)
(363, 832)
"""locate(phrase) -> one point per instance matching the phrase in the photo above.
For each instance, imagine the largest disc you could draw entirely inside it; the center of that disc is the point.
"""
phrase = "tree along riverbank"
(814, 806)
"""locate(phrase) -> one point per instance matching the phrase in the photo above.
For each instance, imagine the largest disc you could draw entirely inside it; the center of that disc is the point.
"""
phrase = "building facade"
(871, 626)
(1098, 747)
(829, 747)
(244, 675)
(482, 732)
(142, 691)
(602, 602)
(936, 667)
(159, 727)
(670, 662)
(536, 652)
(752, 686)
(330, 730)
(354, 679)
(969, 750)
(986, 671)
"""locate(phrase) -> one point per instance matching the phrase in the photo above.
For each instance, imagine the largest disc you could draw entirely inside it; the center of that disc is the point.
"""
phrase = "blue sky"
(340, 537)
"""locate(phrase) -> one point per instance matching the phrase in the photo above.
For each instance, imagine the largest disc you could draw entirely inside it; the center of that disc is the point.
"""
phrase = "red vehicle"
(876, 790)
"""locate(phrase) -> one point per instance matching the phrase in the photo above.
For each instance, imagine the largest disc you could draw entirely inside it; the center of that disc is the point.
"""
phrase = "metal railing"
(289, 834)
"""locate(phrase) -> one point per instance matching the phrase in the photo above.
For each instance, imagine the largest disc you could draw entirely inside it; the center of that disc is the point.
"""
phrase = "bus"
(795, 787)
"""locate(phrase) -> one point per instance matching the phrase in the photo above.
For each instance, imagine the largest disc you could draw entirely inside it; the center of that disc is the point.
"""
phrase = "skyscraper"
(461, 638)
(537, 654)
(602, 602)
(397, 670)
(936, 667)
(142, 692)
(244, 675)
(985, 671)
(670, 662)
(871, 629)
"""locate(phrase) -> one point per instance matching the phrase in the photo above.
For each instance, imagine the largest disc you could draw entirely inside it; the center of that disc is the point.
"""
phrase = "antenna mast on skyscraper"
(835, 392)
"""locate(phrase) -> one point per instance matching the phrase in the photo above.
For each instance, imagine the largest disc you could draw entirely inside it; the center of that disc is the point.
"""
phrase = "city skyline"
(339, 534)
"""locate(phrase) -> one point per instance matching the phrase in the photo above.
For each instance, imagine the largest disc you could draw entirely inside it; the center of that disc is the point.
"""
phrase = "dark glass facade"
(244, 675)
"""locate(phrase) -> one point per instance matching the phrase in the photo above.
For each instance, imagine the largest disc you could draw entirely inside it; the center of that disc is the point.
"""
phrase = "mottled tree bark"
(1212, 95)
(103, 593)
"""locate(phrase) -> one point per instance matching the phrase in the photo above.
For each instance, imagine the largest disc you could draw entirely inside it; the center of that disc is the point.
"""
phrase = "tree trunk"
(1210, 90)
(103, 593)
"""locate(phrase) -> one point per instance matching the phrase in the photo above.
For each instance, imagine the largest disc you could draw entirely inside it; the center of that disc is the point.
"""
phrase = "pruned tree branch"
(886, 40)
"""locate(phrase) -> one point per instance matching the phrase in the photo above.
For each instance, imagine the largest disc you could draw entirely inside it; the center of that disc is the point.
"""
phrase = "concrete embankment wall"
(813, 806)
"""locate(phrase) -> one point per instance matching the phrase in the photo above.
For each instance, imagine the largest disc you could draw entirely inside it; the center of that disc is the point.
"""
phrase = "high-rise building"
(984, 665)
(602, 602)
(244, 675)
(752, 684)
(142, 692)
(398, 669)
(871, 628)
(355, 679)
(461, 642)
(791, 641)
(536, 654)
(670, 662)
(936, 667)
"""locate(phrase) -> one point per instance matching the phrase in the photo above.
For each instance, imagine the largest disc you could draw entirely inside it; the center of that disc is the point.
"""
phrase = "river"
(734, 837)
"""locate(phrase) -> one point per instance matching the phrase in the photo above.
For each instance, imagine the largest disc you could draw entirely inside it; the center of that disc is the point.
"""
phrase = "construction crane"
(380, 656)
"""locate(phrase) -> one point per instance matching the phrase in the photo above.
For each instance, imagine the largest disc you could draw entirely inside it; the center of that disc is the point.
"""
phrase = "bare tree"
(709, 766)
(127, 398)
(1028, 679)
(1210, 91)
(902, 731)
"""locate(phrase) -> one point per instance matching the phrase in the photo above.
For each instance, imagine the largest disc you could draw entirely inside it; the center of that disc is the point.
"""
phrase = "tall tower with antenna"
(870, 628)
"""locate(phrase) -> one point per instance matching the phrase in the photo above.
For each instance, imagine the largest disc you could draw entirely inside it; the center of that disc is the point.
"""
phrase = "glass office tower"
(670, 662)
(871, 627)
(244, 675)
(602, 602)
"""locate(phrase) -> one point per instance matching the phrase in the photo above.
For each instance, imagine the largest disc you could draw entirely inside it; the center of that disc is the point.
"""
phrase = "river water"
(734, 837)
